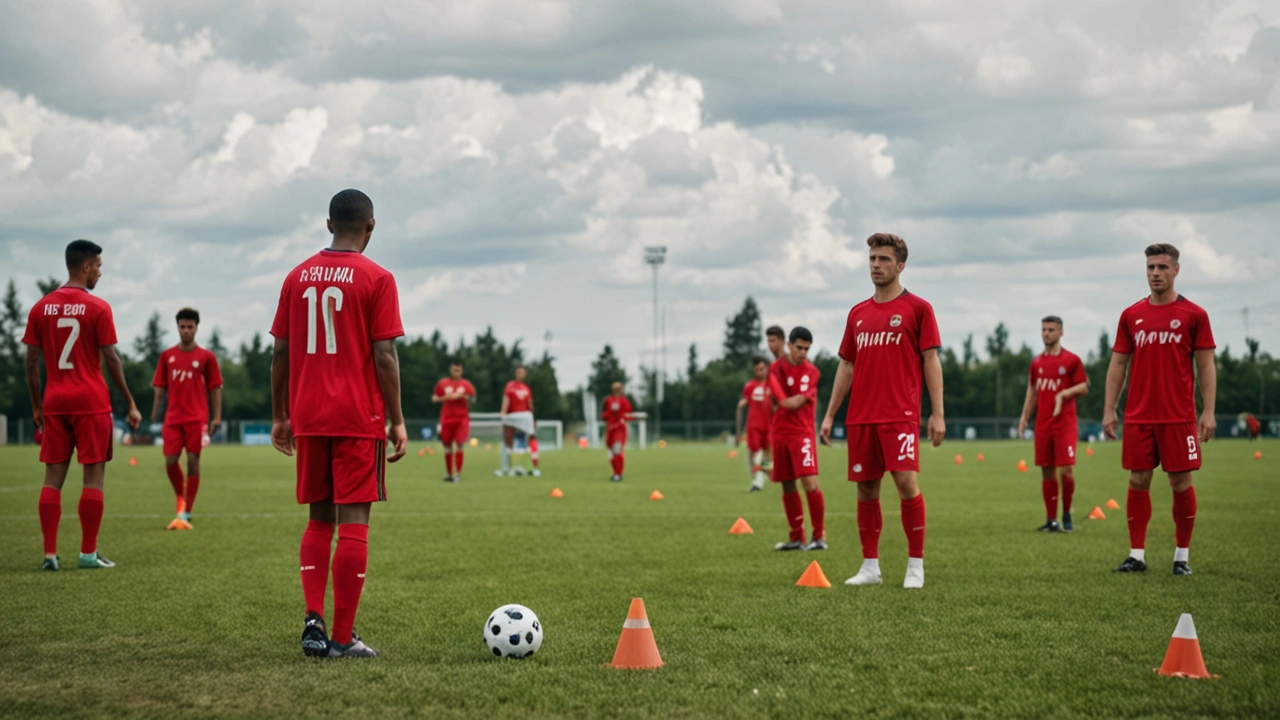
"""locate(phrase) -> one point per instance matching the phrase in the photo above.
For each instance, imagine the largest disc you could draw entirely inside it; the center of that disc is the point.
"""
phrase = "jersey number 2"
(64, 360)
(331, 302)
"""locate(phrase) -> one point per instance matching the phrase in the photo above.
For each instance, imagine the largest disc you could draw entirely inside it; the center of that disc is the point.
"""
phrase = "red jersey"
(519, 397)
(885, 342)
(1162, 340)
(1051, 374)
(759, 404)
(332, 308)
(70, 326)
(787, 380)
(454, 410)
(188, 377)
(615, 411)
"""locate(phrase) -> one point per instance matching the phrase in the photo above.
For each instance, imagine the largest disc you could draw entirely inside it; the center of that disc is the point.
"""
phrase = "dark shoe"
(51, 564)
(817, 544)
(354, 649)
(1132, 564)
(1066, 522)
(315, 636)
(1181, 568)
(1050, 526)
(792, 545)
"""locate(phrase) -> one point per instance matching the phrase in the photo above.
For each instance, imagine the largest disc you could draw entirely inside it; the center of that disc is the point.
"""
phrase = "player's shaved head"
(889, 240)
(80, 252)
(187, 313)
(776, 331)
(1162, 249)
(350, 211)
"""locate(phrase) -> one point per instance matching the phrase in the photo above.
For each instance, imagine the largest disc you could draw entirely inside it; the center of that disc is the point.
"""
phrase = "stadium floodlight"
(655, 256)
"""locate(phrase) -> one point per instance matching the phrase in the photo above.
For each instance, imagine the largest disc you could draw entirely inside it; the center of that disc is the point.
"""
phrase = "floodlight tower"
(654, 256)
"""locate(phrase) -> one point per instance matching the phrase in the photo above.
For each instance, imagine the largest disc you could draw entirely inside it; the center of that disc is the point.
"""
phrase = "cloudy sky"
(521, 153)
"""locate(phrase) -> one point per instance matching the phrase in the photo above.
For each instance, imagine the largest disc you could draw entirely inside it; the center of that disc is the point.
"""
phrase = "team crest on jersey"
(616, 407)
(195, 363)
(172, 359)
(1062, 370)
(895, 321)
(1175, 324)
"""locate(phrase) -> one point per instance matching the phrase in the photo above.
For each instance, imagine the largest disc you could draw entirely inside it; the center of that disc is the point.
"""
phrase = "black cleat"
(1180, 567)
(1132, 564)
(51, 563)
(817, 544)
(792, 545)
(1066, 522)
(452, 478)
(1050, 526)
(315, 636)
(354, 649)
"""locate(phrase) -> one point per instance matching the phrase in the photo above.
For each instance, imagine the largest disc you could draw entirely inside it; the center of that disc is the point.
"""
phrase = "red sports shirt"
(1162, 340)
(519, 397)
(1051, 374)
(454, 410)
(70, 326)
(885, 342)
(332, 308)
(759, 404)
(188, 377)
(787, 380)
(615, 411)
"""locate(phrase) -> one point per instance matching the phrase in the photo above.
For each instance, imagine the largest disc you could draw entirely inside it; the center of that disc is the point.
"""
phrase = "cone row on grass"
(1097, 514)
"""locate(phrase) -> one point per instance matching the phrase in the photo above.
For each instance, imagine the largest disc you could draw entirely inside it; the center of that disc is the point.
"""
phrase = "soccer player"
(517, 415)
(73, 331)
(188, 376)
(616, 412)
(1159, 339)
(793, 381)
(758, 402)
(890, 348)
(1057, 379)
(335, 384)
(454, 395)
(776, 338)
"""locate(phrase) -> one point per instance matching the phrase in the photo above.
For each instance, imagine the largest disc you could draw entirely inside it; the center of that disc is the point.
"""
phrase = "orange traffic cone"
(959, 459)
(133, 462)
(636, 647)
(813, 577)
(1088, 451)
(1183, 659)
(655, 495)
(981, 457)
(430, 450)
(1112, 504)
(1096, 514)
(1022, 466)
(422, 452)
(1257, 454)
(557, 492)
(733, 454)
(740, 528)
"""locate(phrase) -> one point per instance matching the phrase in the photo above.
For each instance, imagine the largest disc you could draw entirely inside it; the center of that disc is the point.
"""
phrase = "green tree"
(13, 320)
(48, 285)
(148, 346)
(743, 335)
(606, 370)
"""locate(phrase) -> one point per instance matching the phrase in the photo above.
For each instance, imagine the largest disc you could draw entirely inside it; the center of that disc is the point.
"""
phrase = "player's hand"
(1057, 405)
(1110, 424)
(214, 425)
(937, 429)
(38, 418)
(1022, 428)
(1208, 424)
(824, 433)
(282, 437)
(399, 438)
(134, 418)
(737, 439)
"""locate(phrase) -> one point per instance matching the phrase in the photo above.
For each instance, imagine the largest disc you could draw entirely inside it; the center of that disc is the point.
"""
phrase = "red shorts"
(88, 435)
(1173, 446)
(343, 470)
(794, 458)
(757, 439)
(455, 431)
(884, 447)
(180, 436)
(1057, 449)
(616, 436)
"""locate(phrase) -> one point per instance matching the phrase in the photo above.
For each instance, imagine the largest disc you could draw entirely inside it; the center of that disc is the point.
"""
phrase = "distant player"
(517, 416)
(758, 402)
(793, 382)
(1251, 425)
(454, 395)
(1057, 379)
(616, 413)
(776, 338)
(187, 376)
(890, 348)
(335, 384)
(73, 331)
(1157, 341)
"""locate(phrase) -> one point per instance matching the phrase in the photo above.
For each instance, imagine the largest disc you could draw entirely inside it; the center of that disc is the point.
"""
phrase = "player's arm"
(1208, 372)
(839, 389)
(386, 365)
(439, 396)
(937, 426)
(160, 395)
(506, 402)
(737, 421)
(1115, 383)
(34, 356)
(1074, 391)
(281, 433)
(116, 369)
(215, 402)
(1028, 406)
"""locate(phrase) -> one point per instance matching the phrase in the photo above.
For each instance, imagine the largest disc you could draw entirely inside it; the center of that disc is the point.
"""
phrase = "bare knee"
(357, 513)
(868, 491)
(1180, 482)
(810, 483)
(55, 474)
(193, 465)
(1140, 480)
(905, 481)
(324, 512)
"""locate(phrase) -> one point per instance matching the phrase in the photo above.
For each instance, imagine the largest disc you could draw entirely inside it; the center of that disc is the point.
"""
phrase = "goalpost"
(487, 428)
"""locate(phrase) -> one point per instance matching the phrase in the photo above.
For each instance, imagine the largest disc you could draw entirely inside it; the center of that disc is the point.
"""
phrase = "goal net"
(487, 428)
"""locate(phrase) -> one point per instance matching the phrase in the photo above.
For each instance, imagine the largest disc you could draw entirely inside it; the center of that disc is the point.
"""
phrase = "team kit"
(335, 328)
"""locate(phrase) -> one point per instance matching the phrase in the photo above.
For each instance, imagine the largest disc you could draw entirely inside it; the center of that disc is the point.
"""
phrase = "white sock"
(1180, 554)
(1139, 554)
(915, 564)
(871, 565)
(506, 458)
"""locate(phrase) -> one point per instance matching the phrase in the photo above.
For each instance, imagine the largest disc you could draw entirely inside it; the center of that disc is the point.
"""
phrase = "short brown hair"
(1163, 249)
(887, 240)
(1052, 319)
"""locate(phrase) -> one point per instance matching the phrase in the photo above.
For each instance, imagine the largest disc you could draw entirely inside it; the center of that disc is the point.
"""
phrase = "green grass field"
(1011, 623)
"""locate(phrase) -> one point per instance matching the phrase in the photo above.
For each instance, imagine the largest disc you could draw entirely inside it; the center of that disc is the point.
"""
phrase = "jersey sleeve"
(1031, 371)
(927, 335)
(386, 310)
(280, 326)
(106, 327)
(212, 373)
(1124, 341)
(1077, 373)
(161, 378)
(849, 343)
(746, 391)
(31, 336)
(775, 381)
(471, 389)
(439, 390)
(1203, 338)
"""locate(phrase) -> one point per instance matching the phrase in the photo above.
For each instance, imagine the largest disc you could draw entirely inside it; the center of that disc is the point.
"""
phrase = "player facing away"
(335, 384)
(793, 381)
(616, 413)
(1163, 342)
(890, 348)
(188, 382)
(776, 338)
(757, 400)
(73, 331)
(1056, 379)
(517, 415)
(454, 394)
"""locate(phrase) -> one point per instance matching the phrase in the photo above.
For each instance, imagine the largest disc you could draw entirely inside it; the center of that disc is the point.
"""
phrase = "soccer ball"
(513, 631)
(517, 471)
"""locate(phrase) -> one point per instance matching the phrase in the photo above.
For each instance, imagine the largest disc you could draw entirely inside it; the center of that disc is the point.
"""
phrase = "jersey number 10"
(331, 302)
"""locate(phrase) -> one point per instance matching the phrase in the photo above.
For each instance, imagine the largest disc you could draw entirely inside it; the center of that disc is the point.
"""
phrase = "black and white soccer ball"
(513, 631)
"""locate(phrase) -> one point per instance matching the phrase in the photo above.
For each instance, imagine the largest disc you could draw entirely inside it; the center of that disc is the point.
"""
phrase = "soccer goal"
(487, 428)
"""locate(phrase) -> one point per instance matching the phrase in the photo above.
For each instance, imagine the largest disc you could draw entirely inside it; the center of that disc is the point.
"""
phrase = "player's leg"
(315, 488)
(460, 440)
(194, 434)
(359, 480)
(448, 442)
(93, 450)
(786, 469)
(758, 446)
(1065, 458)
(617, 460)
(1140, 455)
(817, 512)
(508, 439)
(1049, 492)
(172, 438)
(1179, 448)
(533, 453)
(55, 452)
(866, 469)
(913, 525)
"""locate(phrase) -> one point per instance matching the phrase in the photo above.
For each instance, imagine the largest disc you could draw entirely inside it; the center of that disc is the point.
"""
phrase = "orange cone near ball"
(1112, 504)
(813, 577)
(1096, 514)
(1183, 658)
(655, 495)
(733, 454)
(959, 459)
(1088, 451)
(557, 493)
(741, 528)
(981, 457)
(422, 452)
(1022, 466)
(133, 462)
(637, 650)
(1257, 454)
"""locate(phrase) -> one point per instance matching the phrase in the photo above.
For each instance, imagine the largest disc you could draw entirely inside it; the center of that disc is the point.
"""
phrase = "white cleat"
(915, 577)
(868, 574)
(498, 473)
(536, 472)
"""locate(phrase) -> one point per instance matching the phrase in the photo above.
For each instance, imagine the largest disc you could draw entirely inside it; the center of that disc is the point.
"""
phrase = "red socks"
(617, 463)
(349, 563)
(314, 554)
(1184, 516)
(457, 461)
(794, 508)
(913, 525)
(817, 513)
(1068, 492)
(90, 519)
(1138, 509)
(448, 462)
(50, 515)
(175, 478)
(870, 523)
(193, 487)
(1049, 488)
